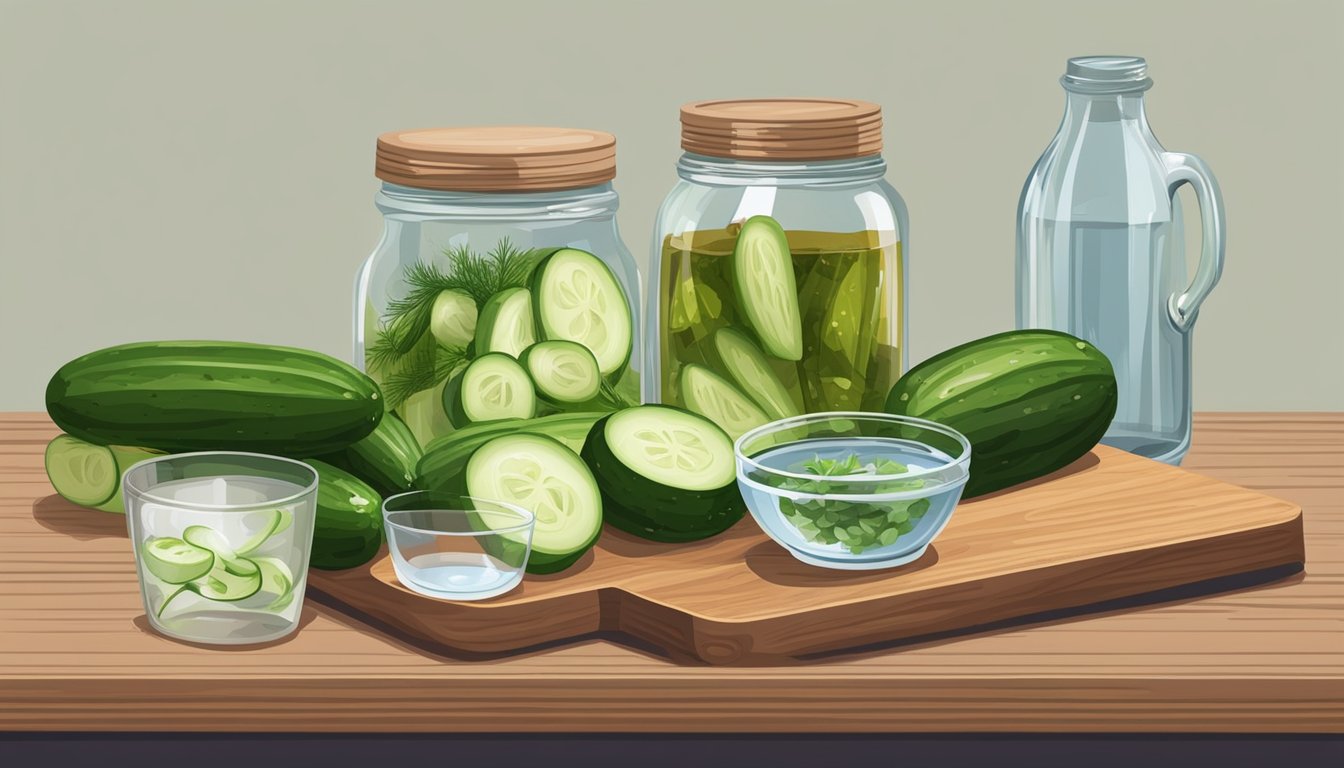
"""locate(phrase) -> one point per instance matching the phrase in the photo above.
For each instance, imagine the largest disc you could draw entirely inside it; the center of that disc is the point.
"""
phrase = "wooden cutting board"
(1110, 526)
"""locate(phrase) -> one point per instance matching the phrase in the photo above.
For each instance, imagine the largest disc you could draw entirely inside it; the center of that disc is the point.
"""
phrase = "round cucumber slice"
(541, 475)
(505, 323)
(563, 371)
(747, 365)
(175, 561)
(228, 581)
(767, 292)
(672, 447)
(81, 472)
(577, 298)
(452, 320)
(709, 395)
(494, 386)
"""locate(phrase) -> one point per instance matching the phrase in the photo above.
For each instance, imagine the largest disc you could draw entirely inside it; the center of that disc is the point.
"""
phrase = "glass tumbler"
(222, 542)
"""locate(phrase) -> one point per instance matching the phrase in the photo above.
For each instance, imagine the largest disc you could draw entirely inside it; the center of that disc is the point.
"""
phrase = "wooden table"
(76, 653)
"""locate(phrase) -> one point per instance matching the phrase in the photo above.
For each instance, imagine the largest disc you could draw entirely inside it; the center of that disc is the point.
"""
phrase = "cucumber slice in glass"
(563, 371)
(767, 292)
(269, 527)
(452, 319)
(175, 561)
(207, 538)
(228, 581)
(577, 298)
(671, 447)
(541, 475)
(709, 395)
(494, 386)
(277, 580)
(747, 366)
(505, 323)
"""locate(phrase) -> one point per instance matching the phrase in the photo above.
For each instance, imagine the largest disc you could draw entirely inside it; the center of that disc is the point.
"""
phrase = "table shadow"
(306, 617)
(772, 563)
(56, 514)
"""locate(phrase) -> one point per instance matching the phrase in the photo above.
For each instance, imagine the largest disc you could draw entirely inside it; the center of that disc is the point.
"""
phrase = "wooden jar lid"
(497, 158)
(782, 129)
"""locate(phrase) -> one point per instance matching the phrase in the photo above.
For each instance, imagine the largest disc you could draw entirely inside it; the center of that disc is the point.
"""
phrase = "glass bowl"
(852, 490)
(457, 547)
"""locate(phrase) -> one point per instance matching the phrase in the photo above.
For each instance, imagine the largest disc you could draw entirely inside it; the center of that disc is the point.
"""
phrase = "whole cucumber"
(214, 395)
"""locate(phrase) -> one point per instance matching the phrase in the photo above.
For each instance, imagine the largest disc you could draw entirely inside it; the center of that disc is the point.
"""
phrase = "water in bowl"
(456, 575)
(849, 515)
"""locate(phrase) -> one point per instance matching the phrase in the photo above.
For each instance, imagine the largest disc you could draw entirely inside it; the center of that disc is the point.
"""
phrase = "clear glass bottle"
(814, 166)
(455, 202)
(1100, 250)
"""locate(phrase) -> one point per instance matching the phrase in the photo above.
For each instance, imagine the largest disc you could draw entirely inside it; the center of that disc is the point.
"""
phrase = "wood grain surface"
(1110, 526)
(77, 654)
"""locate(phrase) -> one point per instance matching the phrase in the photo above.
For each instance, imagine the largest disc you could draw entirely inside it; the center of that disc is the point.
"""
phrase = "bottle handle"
(1189, 169)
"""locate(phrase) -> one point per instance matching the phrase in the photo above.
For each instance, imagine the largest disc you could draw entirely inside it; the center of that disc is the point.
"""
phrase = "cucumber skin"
(345, 534)
(214, 395)
(1019, 430)
(446, 457)
(386, 459)
(651, 510)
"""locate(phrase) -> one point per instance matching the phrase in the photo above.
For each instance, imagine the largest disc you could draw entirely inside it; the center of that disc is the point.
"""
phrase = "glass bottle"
(814, 167)
(1100, 250)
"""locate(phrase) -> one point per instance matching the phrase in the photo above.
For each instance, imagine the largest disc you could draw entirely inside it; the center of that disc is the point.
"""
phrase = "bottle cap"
(499, 158)
(1106, 74)
(782, 129)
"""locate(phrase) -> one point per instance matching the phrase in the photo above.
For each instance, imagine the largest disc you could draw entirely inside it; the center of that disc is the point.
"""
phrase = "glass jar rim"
(147, 494)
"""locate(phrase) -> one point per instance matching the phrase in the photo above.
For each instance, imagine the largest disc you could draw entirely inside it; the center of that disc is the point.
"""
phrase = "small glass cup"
(222, 541)
(457, 547)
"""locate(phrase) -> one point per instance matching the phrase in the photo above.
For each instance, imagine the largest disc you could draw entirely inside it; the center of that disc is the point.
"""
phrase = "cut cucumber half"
(494, 386)
(577, 298)
(90, 475)
(175, 561)
(747, 365)
(766, 290)
(452, 319)
(665, 474)
(671, 447)
(709, 395)
(541, 475)
(564, 372)
(505, 323)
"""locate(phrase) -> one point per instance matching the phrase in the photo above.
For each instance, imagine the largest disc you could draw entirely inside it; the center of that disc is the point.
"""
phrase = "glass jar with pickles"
(496, 240)
(778, 279)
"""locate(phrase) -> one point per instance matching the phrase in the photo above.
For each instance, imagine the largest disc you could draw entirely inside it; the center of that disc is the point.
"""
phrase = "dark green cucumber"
(665, 474)
(446, 457)
(348, 529)
(214, 395)
(1030, 402)
(386, 459)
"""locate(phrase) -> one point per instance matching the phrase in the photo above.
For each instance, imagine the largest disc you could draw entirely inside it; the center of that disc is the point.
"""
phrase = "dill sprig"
(403, 350)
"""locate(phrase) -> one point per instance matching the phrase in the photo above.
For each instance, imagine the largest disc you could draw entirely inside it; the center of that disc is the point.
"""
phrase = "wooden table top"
(76, 652)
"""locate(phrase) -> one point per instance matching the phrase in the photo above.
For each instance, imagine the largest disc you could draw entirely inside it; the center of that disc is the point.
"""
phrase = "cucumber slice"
(452, 319)
(564, 372)
(207, 538)
(493, 387)
(665, 474)
(540, 474)
(505, 323)
(767, 292)
(175, 561)
(671, 447)
(268, 528)
(276, 579)
(228, 581)
(577, 298)
(747, 366)
(709, 395)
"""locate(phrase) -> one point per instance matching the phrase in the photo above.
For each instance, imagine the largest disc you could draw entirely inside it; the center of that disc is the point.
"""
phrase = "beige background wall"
(204, 170)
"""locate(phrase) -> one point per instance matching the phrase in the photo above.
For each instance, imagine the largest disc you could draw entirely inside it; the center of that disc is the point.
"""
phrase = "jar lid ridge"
(782, 129)
(496, 158)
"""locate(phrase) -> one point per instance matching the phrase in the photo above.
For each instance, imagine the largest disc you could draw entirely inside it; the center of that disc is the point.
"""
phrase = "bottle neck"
(731, 171)
(1083, 108)
(583, 203)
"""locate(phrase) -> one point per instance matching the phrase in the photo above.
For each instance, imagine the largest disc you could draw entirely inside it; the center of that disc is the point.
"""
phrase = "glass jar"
(749, 321)
(469, 215)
